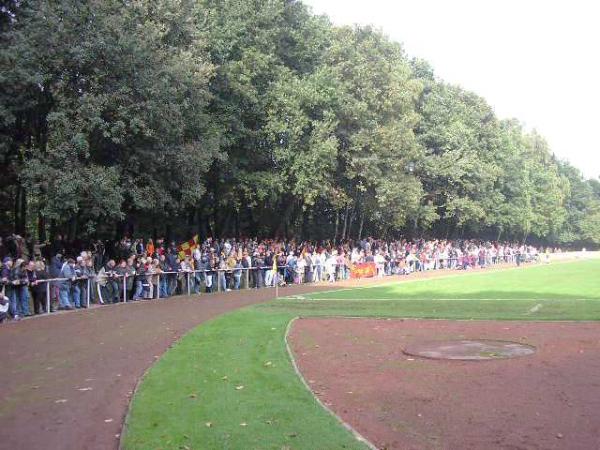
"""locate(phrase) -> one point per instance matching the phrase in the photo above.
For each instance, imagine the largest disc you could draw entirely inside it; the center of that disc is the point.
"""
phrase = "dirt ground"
(66, 378)
(550, 400)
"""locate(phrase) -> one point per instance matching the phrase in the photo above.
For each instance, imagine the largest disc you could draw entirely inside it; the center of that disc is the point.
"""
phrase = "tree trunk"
(360, 227)
(285, 219)
(337, 223)
(41, 228)
(23, 222)
(345, 228)
(17, 207)
(351, 218)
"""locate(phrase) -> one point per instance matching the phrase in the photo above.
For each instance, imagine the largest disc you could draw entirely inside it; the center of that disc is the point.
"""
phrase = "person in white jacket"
(330, 265)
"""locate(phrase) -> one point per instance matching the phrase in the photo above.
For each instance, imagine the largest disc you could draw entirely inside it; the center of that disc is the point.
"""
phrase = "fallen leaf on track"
(108, 420)
(62, 400)
(84, 389)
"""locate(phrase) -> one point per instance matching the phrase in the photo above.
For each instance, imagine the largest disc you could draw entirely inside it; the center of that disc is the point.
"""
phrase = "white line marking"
(394, 299)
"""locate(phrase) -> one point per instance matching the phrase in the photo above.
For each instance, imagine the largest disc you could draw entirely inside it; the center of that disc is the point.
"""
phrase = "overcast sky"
(534, 60)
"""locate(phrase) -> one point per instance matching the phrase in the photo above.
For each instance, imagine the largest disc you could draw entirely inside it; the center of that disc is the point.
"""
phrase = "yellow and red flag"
(188, 247)
(363, 270)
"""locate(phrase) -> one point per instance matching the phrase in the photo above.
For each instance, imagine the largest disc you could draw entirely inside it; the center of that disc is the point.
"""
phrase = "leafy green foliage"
(219, 112)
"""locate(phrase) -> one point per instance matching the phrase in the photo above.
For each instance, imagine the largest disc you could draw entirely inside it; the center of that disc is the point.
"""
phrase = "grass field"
(229, 384)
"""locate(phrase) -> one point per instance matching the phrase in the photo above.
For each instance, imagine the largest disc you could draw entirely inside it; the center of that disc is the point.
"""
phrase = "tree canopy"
(238, 117)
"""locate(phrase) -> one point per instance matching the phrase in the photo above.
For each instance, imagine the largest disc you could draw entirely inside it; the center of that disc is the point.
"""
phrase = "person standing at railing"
(138, 279)
(308, 261)
(210, 275)
(258, 265)
(172, 265)
(237, 274)
(379, 264)
(300, 269)
(291, 263)
(222, 267)
(230, 262)
(198, 267)
(318, 267)
(162, 267)
(68, 273)
(112, 287)
(39, 288)
(4, 305)
(31, 281)
(330, 266)
(8, 286)
(21, 283)
(90, 273)
(269, 272)
(154, 279)
(120, 273)
(78, 289)
(130, 277)
(186, 270)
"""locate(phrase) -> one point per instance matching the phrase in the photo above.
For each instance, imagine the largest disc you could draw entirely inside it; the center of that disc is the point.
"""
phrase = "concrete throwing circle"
(469, 350)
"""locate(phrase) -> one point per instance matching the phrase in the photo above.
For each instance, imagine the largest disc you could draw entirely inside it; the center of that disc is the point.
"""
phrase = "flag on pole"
(187, 248)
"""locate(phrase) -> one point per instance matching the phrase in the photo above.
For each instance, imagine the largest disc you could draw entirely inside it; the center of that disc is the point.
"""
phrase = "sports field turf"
(229, 384)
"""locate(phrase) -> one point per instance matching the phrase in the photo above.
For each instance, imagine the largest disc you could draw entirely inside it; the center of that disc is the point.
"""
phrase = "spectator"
(21, 283)
(4, 305)
(39, 288)
(67, 272)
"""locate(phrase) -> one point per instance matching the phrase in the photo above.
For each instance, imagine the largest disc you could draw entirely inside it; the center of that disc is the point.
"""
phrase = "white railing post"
(47, 297)
(87, 293)
(157, 284)
(125, 288)
(189, 291)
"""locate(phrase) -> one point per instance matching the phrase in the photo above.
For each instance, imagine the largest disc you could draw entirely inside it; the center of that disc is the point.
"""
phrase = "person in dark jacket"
(21, 283)
(172, 265)
(9, 289)
(39, 288)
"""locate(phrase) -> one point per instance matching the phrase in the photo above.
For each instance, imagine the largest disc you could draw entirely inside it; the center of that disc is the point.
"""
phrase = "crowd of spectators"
(75, 274)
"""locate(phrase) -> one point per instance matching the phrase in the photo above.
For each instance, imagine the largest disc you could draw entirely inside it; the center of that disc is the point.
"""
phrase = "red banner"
(363, 270)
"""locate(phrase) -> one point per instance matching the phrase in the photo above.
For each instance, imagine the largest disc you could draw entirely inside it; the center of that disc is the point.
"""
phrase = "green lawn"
(229, 383)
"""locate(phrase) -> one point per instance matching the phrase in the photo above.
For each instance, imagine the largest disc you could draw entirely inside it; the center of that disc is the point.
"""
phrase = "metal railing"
(194, 279)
